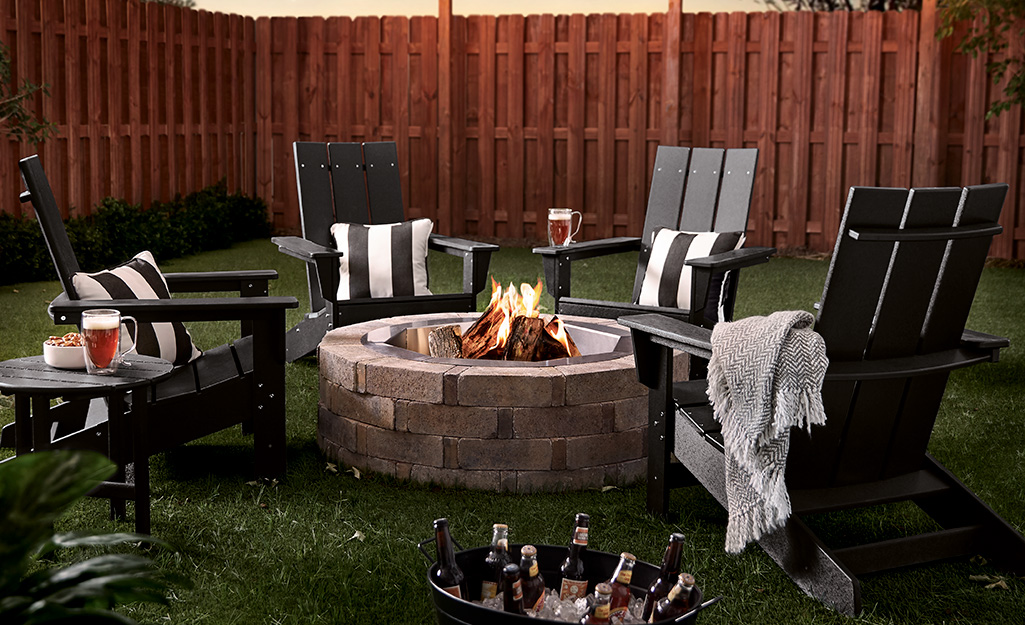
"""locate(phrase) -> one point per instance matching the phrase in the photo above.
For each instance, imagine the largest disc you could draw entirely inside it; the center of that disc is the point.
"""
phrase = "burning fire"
(522, 303)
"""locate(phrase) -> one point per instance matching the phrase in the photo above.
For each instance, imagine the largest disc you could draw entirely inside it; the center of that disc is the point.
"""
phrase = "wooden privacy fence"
(498, 118)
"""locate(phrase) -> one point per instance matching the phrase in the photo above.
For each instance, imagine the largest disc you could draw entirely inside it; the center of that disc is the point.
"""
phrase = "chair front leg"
(269, 393)
(557, 276)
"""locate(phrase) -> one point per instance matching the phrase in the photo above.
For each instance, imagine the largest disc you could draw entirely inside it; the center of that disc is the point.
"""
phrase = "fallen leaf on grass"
(357, 536)
(332, 467)
(252, 483)
(993, 582)
(1002, 585)
(606, 489)
(355, 473)
(978, 560)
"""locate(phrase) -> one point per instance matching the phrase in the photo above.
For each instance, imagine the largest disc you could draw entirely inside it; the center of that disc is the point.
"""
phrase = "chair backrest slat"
(738, 182)
(312, 172)
(702, 193)
(49, 216)
(665, 197)
(384, 184)
(348, 180)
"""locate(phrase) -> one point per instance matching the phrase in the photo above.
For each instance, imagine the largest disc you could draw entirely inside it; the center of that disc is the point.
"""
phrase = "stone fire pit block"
(571, 425)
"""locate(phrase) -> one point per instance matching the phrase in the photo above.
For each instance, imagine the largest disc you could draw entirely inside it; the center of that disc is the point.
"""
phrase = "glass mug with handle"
(101, 335)
(560, 225)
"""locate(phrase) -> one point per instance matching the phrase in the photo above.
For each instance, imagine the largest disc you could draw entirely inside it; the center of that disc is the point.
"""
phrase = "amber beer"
(560, 226)
(620, 583)
(574, 580)
(101, 333)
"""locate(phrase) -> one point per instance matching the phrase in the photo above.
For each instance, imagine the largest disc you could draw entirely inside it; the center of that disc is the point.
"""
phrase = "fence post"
(927, 149)
(670, 121)
(444, 117)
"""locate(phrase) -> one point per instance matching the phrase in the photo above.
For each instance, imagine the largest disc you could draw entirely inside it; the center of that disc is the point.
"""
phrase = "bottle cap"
(676, 537)
(439, 523)
(512, 569)
(627, 556)
(603, 589)
(500, 526)
(529, 550)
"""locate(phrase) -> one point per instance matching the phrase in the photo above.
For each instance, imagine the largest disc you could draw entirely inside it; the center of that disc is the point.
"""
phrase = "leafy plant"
(16, 120)
(35, 489)
(999, 22)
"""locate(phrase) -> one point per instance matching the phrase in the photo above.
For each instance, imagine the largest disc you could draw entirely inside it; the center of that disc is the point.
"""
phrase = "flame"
(559, 334)
(513, 304)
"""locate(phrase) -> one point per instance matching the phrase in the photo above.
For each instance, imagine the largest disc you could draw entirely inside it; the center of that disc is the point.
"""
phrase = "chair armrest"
(456, 246)
(304, 250)
(734, 259)
(65, 311)
(671, 333)
(248, 282)
(590, 249)
(970, 339)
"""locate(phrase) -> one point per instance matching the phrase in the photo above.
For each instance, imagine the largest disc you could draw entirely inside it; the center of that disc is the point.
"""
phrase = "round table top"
(33, 375)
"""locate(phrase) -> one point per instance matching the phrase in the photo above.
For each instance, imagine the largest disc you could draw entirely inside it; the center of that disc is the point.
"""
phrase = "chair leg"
(269, 397)
(960, 507)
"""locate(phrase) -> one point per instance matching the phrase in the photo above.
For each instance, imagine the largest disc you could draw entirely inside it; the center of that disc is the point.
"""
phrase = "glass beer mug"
(560, 225)
(101, 334)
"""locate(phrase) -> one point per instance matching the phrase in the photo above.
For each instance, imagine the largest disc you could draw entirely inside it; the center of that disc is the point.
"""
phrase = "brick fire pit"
(522, 427)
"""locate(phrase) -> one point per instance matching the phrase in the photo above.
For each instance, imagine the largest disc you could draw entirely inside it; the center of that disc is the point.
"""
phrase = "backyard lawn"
(330, 545)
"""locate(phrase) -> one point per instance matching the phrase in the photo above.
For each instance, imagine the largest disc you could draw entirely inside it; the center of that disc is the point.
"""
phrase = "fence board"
(498, 119)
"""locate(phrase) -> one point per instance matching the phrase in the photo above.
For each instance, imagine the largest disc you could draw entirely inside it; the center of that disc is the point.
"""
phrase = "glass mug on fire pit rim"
(560, 226)
(101, 339)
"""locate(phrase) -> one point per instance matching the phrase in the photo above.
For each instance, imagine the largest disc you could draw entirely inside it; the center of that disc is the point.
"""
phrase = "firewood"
(552, 327)
(548, 348)
(480, 337)
(524, 338)
(446, 342)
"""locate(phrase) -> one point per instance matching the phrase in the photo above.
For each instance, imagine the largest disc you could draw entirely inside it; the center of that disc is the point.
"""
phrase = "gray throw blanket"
(764, 377)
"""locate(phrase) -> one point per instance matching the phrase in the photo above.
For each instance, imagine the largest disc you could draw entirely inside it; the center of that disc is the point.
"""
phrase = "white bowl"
(64, 357)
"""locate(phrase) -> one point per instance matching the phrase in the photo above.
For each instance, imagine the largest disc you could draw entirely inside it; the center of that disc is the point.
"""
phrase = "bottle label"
(580, 536)
(517, 591)
(675, 591)
(625, 576)
(503, 543)
(601, 611)
(618, 614)
(488, 590)
(454, 591)
(572, 589)
(540, 603)
(533, 569)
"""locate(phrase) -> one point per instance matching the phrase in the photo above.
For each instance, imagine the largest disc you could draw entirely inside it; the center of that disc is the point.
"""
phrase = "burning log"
(525, 337)
(445, 342)
(557, 331)
(479, 339)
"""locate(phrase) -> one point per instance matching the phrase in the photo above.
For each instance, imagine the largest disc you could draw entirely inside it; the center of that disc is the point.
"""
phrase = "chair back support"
(904, 295)
(360, 181)
(697, 190)
(38, 191)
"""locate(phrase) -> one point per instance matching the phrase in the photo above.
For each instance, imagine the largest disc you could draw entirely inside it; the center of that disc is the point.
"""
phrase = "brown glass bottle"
(620, 583)
(447, 575)
(533, 581)
(512, 589)
(495, 561)
(574, 582)
(666, 576)
(598, 614)
(676, 602)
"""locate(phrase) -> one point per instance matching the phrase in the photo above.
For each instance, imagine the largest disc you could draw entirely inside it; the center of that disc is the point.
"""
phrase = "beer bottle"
(599, 612)
(676, 602)
(447, 575)
(512, 589)
(666, 576)
(620, 583)
(495, 561)
(533, 581)
(574, 583)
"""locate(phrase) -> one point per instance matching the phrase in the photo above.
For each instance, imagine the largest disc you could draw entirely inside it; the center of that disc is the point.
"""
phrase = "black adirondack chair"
(893, 311)
(695, 190)
(359, 183)
(240, 383)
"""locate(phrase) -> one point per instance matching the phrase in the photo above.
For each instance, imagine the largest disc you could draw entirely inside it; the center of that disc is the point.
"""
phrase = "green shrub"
(205, 220)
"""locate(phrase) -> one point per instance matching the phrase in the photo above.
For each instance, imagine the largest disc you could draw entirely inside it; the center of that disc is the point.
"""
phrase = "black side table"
(34, 383)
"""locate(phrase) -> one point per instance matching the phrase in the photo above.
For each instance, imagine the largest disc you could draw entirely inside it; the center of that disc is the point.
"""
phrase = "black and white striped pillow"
(667, 280)
(140, 278)
(384, 260)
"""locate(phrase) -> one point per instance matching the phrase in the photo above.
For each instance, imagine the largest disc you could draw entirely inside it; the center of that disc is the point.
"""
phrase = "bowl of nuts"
(65, 352)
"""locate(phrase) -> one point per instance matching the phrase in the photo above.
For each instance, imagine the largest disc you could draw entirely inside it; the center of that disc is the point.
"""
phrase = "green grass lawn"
(326, 546)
